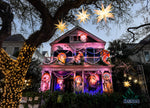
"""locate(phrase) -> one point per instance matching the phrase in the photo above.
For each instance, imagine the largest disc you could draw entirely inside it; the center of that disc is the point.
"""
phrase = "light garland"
(14, 71)
(61, 26)
(104, 13)
(83, 16)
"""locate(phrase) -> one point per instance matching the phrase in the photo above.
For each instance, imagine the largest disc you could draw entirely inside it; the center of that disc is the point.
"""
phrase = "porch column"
(83, 81)
(50, 73)
(74, 75)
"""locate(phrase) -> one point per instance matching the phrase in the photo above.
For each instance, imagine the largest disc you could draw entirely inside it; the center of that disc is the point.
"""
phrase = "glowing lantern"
(105, 55)
(45, 82)
(104, 13)
(61, 58)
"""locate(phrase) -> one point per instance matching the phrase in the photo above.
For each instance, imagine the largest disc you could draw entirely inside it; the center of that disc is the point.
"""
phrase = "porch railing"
(70, 60)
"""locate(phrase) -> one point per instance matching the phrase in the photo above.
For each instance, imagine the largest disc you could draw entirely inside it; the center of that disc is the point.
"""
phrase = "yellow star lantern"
(126, 84)
(83, 16)
(61, 26)
(104, 13)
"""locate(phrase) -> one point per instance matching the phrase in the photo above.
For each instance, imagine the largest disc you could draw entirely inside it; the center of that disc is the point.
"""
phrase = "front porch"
(90, 79)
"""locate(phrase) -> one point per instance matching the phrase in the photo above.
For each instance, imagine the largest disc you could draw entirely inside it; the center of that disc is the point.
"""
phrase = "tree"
(49, 12)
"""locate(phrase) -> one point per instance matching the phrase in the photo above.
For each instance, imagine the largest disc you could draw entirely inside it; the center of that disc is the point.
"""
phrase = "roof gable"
(73, 32)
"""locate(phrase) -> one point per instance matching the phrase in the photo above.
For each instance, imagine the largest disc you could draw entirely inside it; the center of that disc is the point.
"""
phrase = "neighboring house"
(141, 51)
(14, 43)
(79, 63)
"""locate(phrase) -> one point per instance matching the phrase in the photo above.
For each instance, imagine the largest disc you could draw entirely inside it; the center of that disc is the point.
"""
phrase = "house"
(79, 63)
(141, 51)
(14, 43)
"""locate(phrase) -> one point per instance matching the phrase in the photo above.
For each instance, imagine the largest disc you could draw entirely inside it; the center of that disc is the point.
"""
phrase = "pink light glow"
(45, 83)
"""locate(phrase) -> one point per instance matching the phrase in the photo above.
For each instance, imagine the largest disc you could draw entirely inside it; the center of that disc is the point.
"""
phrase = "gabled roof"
(16, 37)
(81, 29)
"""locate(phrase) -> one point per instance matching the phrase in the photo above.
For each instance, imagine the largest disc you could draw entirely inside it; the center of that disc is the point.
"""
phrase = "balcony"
(71, 61)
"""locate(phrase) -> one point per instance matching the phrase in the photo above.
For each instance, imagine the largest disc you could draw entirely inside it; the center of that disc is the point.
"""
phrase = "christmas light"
(126, 84)
(61, 26)
(104, 13)
(135, 81)
(15, 72)
(83, 16)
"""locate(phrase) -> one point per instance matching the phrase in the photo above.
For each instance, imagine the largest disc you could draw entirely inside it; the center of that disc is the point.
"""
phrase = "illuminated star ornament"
(126, 84)
(61, 26)
(83, 16)
(104, 13)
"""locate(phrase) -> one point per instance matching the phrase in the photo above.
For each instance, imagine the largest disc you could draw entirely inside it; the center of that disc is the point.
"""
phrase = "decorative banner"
(105, 56)
(78, 79)
(78, 57)
(45, 83)
(107, 84)
(60, 83)
(78, 83)
(61, 58)
(93, 79)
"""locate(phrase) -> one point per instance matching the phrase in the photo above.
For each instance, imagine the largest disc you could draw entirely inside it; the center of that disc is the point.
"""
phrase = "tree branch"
(133, 34)
(68, 5)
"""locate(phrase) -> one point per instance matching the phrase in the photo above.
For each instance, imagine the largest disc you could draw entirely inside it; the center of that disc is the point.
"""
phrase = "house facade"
(14, 43)
(79, 63)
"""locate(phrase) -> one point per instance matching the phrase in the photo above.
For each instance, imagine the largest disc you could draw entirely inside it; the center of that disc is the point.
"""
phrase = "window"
(16, 51)
(4, 48)
(147, 56)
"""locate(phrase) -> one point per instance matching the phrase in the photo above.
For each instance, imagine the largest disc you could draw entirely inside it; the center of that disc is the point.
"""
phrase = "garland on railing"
(60, 76)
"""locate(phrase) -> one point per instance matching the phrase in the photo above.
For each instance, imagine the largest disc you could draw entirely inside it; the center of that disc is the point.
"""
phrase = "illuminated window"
(147, 56)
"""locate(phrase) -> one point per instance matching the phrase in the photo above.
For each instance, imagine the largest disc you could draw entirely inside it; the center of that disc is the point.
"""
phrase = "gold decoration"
(83, 16)
(61, 26)
(104, 13)
(126, 84)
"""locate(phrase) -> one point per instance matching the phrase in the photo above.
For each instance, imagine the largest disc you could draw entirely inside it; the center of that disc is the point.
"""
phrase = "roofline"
(76, 27)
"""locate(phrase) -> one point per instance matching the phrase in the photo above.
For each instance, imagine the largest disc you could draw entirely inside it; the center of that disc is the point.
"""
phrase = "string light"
(83, 16)
(135, 81)
(104, 13)
(61, 26)
(130, 78)
(14, 71)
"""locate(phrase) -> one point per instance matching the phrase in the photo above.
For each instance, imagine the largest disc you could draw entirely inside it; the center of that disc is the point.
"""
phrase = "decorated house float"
(78, 63)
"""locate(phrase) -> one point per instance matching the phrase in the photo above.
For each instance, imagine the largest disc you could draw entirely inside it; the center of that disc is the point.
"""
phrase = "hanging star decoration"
(126, 84)
(61, 26)
(83, 16)
(104, 13)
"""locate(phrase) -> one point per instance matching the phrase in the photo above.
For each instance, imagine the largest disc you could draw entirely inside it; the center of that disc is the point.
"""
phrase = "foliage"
(34, 74)
(71, 100)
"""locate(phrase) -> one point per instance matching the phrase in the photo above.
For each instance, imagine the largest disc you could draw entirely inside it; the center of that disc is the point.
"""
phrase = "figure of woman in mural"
(78, 83)
(105, 56)
(61, 58)
(79, 58)
(45, 83)
(107, 85)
